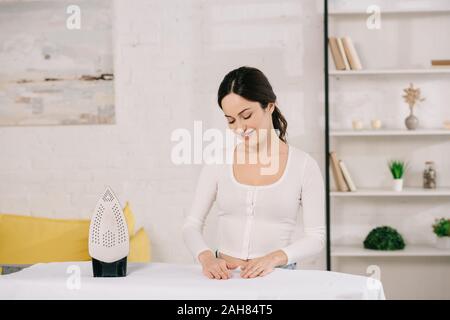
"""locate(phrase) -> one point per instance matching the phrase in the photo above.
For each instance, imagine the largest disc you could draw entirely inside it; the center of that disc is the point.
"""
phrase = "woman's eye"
(230, 122)
(248, 117)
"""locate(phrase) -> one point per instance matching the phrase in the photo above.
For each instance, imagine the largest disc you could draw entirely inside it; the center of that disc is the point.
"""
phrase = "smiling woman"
(249, 87)
(258, 208)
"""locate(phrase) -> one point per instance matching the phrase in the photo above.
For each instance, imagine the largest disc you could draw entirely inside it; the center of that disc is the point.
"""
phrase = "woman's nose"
(242, 126)
(240, 129)
(237, 125)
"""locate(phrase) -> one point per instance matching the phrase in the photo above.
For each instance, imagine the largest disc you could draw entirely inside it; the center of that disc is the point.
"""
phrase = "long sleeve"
(204, 197)
(313, 204)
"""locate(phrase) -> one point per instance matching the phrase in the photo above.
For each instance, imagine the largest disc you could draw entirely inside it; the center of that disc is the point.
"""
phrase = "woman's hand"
(215, 268)
(232, 262)
(259, 267)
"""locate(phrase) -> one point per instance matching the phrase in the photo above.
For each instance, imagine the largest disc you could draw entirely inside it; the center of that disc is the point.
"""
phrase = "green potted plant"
(441, 229)
(397, 169)
(384, 238)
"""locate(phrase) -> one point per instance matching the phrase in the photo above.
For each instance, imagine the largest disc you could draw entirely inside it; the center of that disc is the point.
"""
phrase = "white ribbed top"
(256, 220)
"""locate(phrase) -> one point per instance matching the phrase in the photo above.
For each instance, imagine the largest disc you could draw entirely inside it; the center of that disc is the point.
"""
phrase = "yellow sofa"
(27, 240)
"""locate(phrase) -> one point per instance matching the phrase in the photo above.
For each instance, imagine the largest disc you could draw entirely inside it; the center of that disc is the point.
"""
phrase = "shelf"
(407, 192)
(390, 132)
(342, 12)
(345, 18)
(439, 70)
(409, 251)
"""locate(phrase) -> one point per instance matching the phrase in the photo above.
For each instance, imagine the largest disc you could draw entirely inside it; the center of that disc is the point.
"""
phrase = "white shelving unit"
(436, 70)
(348, 15)
(391, 132)
(390, 11)
(406, 192)
(340, 8)
(410, 250)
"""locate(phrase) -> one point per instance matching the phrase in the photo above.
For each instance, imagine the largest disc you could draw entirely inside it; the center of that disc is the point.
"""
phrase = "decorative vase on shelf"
(398, 184)
(412, 97)
(376, 124)
(429, 175)
(411, 122)
(357, 124)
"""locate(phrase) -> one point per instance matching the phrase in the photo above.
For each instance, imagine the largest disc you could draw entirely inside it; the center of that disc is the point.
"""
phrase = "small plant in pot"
(441, 228)
(397, 169)
(384, 238)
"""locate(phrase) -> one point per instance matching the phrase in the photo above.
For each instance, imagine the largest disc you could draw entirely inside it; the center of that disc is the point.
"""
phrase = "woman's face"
(247, 118)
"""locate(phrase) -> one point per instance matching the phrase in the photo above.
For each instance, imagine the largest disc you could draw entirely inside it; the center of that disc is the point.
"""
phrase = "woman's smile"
(248, 133)
(245, 134)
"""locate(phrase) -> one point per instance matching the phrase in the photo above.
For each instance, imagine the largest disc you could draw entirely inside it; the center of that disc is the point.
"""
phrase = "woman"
(257, 211)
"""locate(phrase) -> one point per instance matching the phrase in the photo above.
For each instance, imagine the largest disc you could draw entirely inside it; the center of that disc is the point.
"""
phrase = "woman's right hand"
(232, 262)
(215, 268)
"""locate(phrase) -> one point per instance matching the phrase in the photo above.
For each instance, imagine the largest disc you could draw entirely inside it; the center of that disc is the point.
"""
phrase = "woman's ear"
(271, 106)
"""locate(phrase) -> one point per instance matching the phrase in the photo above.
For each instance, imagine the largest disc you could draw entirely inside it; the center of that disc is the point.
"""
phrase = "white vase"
(443, 242)
(398, 184)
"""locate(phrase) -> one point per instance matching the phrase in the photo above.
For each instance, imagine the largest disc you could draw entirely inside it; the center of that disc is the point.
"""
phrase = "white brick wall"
(170, 57)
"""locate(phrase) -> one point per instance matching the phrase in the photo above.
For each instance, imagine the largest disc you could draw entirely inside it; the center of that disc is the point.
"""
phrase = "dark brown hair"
(251, 84)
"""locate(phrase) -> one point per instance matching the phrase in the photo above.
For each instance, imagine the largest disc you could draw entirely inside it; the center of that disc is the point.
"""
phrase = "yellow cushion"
(29, 240)
(140, 250)
(129, 217)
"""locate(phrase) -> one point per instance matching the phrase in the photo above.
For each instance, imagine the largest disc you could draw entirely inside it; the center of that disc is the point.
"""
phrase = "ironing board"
(160, 281)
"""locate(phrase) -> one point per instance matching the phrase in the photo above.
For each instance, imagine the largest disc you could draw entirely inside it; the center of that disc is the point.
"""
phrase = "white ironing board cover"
(161, 281)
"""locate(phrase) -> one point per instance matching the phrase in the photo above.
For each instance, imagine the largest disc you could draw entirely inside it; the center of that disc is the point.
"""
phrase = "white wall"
(170, 57)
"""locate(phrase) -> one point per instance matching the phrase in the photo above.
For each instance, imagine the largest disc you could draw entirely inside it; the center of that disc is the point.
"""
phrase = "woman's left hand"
(259, 267)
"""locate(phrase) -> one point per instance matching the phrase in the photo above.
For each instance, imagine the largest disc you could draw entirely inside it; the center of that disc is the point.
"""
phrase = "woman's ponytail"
(279, 123)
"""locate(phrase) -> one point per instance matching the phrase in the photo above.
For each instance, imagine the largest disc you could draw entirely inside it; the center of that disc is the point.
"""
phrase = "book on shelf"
(348, 179)
(440, 63)
(339, 179)
(344, 53)
(337, 58)
(351, 53)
